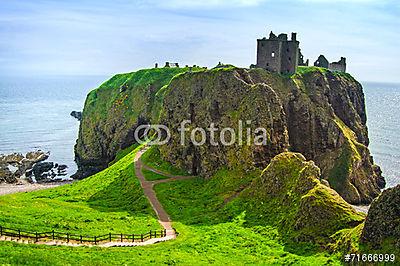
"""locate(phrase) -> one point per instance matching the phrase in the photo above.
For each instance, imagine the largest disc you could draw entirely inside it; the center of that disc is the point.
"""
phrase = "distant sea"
(35, 114)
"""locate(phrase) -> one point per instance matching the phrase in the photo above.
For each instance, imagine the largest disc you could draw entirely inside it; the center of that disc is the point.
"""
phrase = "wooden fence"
(53, 235)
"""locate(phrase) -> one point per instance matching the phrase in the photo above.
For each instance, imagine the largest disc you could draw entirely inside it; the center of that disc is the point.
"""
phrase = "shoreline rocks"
(77, 115)
(32, 167)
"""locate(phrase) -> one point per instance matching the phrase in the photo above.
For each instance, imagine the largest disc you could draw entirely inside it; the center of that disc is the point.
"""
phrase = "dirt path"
(163, 217)
(147, 186)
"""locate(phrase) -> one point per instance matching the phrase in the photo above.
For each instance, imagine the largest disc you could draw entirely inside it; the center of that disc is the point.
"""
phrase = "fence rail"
(68, 237)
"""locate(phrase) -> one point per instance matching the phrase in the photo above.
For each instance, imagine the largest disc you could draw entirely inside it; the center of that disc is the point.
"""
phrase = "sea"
(35, 114)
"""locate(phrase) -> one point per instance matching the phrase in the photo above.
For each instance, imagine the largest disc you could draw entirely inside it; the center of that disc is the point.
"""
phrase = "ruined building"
(278, 54)
(334, 66)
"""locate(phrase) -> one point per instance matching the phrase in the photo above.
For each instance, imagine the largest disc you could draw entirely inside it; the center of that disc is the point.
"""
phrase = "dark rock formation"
(289, 195)
(316, 112)
(319, 114)
(382, 226)
(113, 111)
(77, 115)
(31, 166)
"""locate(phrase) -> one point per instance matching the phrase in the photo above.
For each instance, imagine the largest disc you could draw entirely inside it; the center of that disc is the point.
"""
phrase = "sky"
(94, 37)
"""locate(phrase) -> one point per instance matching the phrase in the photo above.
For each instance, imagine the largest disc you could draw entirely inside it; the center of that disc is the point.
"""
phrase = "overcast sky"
(92, 37)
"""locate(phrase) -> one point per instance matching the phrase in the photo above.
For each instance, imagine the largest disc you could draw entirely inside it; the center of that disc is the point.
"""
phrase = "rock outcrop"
(77, 115)
(113, 111)
(32, 166)
(382, 225)
(316, 112)
(289, 195)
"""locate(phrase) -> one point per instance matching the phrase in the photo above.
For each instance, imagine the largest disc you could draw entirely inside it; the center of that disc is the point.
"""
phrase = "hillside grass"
(110, 201)
(208, 233)
(153, 159)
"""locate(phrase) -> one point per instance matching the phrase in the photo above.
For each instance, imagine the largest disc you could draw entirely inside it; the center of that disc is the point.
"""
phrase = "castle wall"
(269, 54)
(289, 57)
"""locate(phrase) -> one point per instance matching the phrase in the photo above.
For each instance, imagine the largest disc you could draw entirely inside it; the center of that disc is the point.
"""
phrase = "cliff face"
(289, 195)
(113, 111)
(382, 226)
(315, 112)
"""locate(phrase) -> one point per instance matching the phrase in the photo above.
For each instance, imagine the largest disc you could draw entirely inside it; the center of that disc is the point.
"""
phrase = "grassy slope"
(207, 234)
(110, 201)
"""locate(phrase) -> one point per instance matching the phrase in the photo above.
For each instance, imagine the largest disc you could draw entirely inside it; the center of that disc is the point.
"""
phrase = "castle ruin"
(278, 54)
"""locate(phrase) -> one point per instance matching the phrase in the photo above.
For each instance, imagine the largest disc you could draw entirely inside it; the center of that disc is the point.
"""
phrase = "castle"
(278, 54)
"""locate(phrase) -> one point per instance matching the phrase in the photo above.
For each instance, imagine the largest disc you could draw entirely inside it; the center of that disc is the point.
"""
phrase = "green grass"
(151, 176)
(110, 201)
(207, 235)
(153, 159)
(209, 232)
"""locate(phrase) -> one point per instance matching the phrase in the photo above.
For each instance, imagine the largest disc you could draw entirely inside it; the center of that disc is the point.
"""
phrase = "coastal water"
(34, 114)
(383, 120)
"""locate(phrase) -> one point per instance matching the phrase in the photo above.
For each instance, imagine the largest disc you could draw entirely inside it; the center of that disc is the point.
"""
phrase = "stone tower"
(278, 54)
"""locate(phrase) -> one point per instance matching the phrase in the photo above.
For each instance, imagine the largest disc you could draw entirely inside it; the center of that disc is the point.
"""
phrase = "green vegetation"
(122, 153)
(110, 201)
(209, 232)
(151, 176)
(152, 158)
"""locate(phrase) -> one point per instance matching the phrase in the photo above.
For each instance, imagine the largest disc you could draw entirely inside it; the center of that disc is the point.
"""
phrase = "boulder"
(382, 225)
(41, 169)
(77, 115)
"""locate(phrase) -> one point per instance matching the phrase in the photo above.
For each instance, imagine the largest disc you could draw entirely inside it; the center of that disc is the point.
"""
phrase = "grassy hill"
(110, 201)
(209, 233)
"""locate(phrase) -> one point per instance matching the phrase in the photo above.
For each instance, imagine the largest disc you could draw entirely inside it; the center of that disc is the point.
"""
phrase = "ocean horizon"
(35, 115)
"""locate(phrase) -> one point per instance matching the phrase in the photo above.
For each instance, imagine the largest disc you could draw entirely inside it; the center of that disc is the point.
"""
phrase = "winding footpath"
(162, 215)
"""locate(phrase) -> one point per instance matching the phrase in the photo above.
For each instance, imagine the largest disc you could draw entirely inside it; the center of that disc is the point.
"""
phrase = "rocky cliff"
(315, 112)
(113, 111)
(289, 195)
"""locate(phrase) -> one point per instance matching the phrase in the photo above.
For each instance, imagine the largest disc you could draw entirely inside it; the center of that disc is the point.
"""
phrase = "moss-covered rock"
(382, 226)
(113, 111)
(317, 113)
(224, 97)
(289, 195)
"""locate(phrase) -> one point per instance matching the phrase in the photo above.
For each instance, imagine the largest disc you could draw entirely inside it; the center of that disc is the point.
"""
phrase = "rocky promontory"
(315, 112)
(32, 167)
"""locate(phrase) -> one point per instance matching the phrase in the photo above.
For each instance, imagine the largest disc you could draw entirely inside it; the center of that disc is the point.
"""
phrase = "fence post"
(122, 239)
(165, 232)
(95, 240)
(150, 234)
(1, 230)
(19, 234)
(133, 238)
(67, 237)
(109, 236)
(141, 237)
(36, 237)
(52, 233)
(81, 239)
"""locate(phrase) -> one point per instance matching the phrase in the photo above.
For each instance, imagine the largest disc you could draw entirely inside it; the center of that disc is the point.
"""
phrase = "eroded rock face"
(382, 225)
(319, 114)
(289, 194)
(226, 100)
(112, 113)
